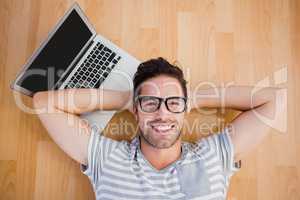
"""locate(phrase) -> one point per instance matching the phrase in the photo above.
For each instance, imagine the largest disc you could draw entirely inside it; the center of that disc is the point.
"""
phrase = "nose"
(163, 111)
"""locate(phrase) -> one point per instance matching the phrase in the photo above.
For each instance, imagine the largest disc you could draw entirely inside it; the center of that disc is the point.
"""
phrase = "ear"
(133, 110)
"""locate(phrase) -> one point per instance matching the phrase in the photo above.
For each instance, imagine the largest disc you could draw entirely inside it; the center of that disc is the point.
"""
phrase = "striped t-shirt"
(118, 170)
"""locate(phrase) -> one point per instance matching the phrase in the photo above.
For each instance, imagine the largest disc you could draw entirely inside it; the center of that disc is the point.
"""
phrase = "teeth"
(163, 127)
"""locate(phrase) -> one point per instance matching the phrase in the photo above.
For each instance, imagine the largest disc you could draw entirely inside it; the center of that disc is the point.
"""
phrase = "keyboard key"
(107, 49)
(74, 81)
(77, 86)
(85, 85)
(100, 47)
(97, 85)
(75, 74)
(111, 57)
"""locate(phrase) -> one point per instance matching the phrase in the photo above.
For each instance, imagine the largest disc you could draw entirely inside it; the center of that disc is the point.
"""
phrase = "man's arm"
(58, 110)
(262, 108)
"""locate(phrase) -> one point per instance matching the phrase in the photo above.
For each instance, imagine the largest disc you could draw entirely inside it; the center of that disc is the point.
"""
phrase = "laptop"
(75, 56)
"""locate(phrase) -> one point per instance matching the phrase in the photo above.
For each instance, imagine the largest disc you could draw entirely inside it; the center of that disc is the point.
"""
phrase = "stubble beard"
(160, 144)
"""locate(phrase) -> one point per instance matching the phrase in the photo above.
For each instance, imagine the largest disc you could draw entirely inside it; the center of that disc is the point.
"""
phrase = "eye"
(150, 103)
(174, 101)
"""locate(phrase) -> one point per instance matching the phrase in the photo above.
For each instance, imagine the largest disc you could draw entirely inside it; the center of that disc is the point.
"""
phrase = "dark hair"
(155, 67)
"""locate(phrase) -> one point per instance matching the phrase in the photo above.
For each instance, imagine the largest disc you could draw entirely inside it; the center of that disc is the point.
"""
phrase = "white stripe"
(134, 177)
(214, 169)
(136, 185)
(137, 193)
(218, 185)
(208, 154)
(210, 196)
(217, 177)
(211, 161)
(140, 193)
(112, 197)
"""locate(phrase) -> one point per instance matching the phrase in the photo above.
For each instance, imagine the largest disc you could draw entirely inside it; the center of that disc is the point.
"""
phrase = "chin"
(161, 141)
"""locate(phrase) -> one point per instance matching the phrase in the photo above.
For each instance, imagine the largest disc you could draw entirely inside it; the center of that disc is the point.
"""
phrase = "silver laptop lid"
(55, 56)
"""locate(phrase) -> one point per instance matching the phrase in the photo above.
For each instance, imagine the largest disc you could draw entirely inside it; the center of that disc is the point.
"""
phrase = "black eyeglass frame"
(139, 99)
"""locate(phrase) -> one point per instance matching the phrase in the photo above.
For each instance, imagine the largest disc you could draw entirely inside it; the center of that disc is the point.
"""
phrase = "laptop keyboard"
(95, 68)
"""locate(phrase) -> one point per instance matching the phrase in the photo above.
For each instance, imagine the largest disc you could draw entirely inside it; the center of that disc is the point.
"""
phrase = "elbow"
(278, 110)
(37, 96)
(39, 99)
(278, 95)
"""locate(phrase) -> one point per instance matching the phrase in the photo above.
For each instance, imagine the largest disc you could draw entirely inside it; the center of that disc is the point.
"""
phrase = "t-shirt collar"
(135, 144)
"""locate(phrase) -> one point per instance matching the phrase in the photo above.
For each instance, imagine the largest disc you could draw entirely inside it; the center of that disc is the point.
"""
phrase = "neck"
(161, 158)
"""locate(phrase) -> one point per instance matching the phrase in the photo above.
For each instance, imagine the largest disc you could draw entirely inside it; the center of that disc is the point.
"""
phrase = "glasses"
(151, 104)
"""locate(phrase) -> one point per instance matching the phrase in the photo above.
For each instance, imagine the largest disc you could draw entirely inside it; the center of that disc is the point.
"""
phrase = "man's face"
(161, 128)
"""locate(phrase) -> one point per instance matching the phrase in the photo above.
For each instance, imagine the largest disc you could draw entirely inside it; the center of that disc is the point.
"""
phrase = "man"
(156, 164)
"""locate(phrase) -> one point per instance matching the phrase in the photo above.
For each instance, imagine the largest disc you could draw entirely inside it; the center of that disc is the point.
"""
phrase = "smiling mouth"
(163, 129)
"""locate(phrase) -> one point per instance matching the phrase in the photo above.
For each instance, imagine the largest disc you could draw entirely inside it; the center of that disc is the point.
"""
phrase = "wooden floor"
(221, 41)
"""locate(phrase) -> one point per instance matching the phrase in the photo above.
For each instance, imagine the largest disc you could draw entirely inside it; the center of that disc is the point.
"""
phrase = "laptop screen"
(57, 54)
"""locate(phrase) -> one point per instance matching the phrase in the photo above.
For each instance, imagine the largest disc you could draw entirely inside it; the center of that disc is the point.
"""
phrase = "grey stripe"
(96, 158)
(130, 196)
(129, 187)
